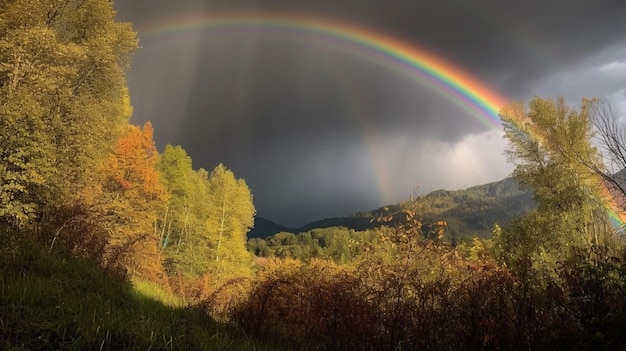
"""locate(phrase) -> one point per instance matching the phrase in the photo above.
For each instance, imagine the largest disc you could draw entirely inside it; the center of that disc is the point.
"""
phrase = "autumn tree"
(202, 229)
(175, 169)
(547, 142)
(181, 225)
(63, 102)
(231, 217)
(131, 197)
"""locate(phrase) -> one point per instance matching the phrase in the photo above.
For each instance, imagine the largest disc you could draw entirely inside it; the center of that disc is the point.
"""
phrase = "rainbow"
(453, 83)
(610, 200)
(407, 59)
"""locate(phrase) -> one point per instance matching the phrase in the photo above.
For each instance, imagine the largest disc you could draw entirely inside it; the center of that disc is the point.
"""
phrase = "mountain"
(358, 221)
(264, 228)
(473, 211)
(468, 212)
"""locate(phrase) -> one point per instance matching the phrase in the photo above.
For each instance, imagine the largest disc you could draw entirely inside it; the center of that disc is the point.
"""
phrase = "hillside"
(264, 228)
(473, 211)
(469, 212)
(55, 302)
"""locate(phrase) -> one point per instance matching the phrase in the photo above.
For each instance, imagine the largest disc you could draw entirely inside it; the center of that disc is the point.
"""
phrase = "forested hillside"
(107, 243)
(468, 212)
(474, 211)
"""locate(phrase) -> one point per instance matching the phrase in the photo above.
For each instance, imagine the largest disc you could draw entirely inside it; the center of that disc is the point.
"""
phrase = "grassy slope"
(47, 302)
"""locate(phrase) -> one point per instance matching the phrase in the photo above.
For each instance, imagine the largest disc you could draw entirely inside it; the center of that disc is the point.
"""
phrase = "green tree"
(63, 101)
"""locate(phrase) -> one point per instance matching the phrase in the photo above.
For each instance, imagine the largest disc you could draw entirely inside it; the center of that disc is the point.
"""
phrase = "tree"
(550, 143)
(181, 226)
(195, 248)
(131, 198)
(231, 217)
(175, 168)
(610, 137)
(63, 102)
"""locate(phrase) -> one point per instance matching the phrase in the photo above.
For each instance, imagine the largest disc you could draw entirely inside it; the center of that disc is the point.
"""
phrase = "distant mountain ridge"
(474, 211)
(264, 228)
(468, 212)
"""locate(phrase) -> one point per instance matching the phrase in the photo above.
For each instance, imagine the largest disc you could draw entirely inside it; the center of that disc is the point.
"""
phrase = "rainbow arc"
(409, 59)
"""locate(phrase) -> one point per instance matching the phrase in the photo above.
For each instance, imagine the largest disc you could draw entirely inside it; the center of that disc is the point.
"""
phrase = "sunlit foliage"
(63, 102)
(231, 216)
(131, 197)
(550, 144)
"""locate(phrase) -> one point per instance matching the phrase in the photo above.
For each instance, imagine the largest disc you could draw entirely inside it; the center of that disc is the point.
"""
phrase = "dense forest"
(107, 243)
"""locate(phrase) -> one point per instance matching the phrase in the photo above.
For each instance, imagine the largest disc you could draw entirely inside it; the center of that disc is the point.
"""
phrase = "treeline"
(78, 179)
(338, 244)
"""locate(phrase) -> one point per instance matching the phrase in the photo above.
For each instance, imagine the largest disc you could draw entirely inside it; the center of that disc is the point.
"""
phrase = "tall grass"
(51, 302)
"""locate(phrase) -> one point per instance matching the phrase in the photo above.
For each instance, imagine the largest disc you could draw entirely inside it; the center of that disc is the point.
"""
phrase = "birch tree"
(232, 216)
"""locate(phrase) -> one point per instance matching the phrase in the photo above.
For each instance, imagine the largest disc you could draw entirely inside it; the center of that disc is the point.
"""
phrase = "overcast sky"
(319, 132)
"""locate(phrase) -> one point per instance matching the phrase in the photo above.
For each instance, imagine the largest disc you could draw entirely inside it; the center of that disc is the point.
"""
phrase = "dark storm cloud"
(310, 128)
(511, 41)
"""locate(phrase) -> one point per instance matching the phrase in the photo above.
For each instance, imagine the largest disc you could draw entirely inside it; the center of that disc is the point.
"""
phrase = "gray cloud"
(317, 132)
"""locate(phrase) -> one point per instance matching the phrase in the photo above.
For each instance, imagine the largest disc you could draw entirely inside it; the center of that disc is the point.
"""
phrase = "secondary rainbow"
(452, 82)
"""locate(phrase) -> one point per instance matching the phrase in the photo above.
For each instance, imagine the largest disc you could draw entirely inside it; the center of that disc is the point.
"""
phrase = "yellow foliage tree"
(63, 102)
(231, 217)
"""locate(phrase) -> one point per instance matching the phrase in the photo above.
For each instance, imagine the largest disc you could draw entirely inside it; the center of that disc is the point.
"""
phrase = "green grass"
(52, 303)
(155, 292)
